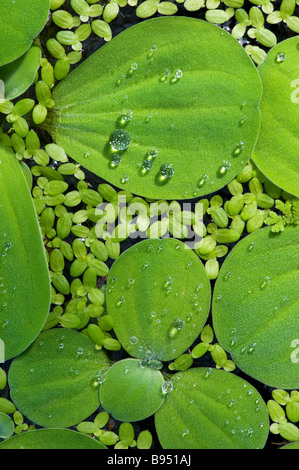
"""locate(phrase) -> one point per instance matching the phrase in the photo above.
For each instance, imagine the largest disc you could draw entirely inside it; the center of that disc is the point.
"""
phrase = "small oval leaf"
(158, 294)
(131, 391)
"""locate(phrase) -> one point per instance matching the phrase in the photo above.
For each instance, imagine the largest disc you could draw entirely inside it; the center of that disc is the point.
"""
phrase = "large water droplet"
(166, 387)
(120, 139)
(133, 340)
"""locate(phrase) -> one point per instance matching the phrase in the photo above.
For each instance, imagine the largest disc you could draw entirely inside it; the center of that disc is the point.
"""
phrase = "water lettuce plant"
(175, 93)
(149, 224)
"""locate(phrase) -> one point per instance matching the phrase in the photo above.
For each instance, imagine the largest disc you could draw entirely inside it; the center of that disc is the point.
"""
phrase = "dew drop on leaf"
(120, 139)
(280, 57)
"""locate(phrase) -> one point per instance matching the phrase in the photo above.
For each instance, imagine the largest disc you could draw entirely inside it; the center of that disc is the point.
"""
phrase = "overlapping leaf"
(212, 409)
(182, 96)
(51, 439)
(20, 22)
(255, 306)
(20, 74)
(55, 382)
(277, 149)
(24, 275)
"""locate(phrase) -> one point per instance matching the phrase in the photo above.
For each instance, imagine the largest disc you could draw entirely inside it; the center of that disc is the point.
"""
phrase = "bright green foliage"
(40, 378)
(158, 125)
(158, 320)
(276, 153)
(262, 300)
(20, 74)
(25, 283)
(138, 385)
(20, 22)
(51, 439)
(217, 410)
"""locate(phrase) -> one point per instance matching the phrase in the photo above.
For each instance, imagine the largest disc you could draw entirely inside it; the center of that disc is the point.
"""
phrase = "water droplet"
(120, 139)
(208, 373)
(164, 77)
(115, 161)
(185, 432)
(223, 169)
(120, 301)
(177, 75)
(126, 116)
(166, 387)
(124, 179)
(251, 246)
(133, 340)
(130, 281)
(202, 181)
(251, 348)
(61, 346)
(132, 69)
(166, 171)
(242, 121)
(152, 153)
(280, 57)
(219, 297)
(226, 276)
(265, 282)
(87, 154)
(80, 351)
(146, 166)
(238, 149)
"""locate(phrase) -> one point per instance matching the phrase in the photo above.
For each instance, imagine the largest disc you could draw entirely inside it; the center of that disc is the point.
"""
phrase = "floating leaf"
(158, 294)
(255, 306)
(277, 149)
(20, 22)
(51, 439)
(131, 391)
(212, 409)
(6, 426)
(55, 382)
(20, 74)
(179, 86)
(24, 275)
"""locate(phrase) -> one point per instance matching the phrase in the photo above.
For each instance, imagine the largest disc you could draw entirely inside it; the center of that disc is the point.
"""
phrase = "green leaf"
(131, 392)
(144, 440)
(51, 439)
(20, 22)
(55, 382)
(212, 409)
(258, 286)
(6, 426)
(158, 294)
(20, 74)
(277, 149)
(24, 275)
(184, 109)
